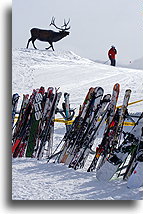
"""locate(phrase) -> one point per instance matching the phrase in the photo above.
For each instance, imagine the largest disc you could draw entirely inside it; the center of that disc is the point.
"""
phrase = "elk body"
(49, 36)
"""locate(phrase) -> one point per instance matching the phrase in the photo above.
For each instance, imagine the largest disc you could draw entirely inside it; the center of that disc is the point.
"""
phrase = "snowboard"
(106, 172)
(136, 178)
(115, 160)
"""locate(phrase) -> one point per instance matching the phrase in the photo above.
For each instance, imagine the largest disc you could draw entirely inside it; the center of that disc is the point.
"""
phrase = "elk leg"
(33, 40)
(28, 42)
(48, 47)
(51, 46)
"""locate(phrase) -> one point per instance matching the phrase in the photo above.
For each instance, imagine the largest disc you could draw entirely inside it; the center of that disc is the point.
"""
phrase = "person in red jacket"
(111, 54)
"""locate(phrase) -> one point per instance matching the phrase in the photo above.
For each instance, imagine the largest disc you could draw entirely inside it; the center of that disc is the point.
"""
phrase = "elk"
(49, 36)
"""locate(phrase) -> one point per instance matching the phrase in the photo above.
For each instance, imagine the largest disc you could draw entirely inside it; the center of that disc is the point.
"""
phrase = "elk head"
(63, 28)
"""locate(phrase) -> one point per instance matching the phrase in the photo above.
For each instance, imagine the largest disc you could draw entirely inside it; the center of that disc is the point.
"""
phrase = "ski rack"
(130, 116)
(70, 121)
(132, 103)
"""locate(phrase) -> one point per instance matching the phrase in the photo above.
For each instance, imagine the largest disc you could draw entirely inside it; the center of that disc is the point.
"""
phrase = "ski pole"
(106, 61)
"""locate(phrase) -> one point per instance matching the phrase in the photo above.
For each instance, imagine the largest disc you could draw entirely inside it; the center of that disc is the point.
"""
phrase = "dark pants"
(113, 62)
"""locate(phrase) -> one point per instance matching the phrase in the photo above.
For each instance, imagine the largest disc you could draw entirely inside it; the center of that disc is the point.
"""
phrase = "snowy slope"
(138, 64)
(73, 74)
(34, 180)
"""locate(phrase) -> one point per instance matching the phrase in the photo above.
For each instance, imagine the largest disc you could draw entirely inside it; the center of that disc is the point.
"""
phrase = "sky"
(95, 26)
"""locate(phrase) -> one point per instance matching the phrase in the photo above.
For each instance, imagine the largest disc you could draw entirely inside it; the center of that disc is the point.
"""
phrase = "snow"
(37, 180)
(137, 64)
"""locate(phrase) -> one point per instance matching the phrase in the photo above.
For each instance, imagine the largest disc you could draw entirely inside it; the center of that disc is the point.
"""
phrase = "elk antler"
(53, 23)
(65, 24)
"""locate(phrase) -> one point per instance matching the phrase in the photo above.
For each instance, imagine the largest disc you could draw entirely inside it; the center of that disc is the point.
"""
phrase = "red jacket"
(111, 53)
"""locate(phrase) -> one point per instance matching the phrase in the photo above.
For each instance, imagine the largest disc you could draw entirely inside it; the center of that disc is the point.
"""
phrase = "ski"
(106, 171)
(35, 120)
(86, 116)
(66, 108)
(76, 126)
(18, 124)
(46, 133)
(15, 99)
(49, 146)
(24, 127)
(47, 104)
(110, 115)
(80, 156)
